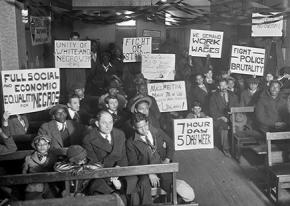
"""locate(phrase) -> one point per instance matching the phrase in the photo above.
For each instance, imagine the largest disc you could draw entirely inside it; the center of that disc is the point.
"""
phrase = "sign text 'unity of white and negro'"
(193, 134)
(134, 48)
(170, 96)
(203, 43)
(72, 54)
(30, 90)
(247, 60)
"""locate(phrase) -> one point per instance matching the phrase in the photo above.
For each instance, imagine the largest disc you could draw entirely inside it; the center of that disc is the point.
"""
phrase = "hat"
(276, 81)
(38, 138)
(56, 107)
(184, 190)
(76, 153)
(253, 80)
(137, 99)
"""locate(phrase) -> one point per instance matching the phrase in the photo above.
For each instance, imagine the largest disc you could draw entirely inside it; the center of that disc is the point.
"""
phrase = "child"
(196, 111)
(41, 160)
(76, 162)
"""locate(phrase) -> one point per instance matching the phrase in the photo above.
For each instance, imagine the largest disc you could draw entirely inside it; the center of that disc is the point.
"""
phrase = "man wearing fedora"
(271, 109)
(106, 145)
(63, 132)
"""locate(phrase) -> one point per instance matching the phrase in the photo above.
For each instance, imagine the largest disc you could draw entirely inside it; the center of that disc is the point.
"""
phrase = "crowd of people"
(108, 119)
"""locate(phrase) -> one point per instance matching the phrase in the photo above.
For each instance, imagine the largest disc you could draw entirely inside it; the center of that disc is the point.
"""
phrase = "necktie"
(224, 97)
(77, 117)
(41, 156)
(107, 138)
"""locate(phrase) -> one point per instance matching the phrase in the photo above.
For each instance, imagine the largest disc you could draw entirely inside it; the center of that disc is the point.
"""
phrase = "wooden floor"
(218, 180)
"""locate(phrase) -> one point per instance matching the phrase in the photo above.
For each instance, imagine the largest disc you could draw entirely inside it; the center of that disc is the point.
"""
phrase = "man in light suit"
(63, 132)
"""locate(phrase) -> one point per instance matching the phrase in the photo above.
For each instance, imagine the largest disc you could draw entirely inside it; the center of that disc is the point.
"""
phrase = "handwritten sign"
(158, 66)
(193, 134)
(40, 29)
(134, 48)
(30, 90)
(247, 60)
(203, 43)
(267, 25)
(170, 96)
(72, 54)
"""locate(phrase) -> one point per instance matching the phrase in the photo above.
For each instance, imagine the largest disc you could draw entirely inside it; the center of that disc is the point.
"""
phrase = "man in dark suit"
(106, 145)
(149, 145)
(219, 107)
(63, 132)
(199, 92)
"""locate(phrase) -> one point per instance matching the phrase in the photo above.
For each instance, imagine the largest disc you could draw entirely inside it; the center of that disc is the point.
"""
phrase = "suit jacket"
(218, 107)
(198, 94)
(76, 132)
(139, 152)
(247, 99)
(100, 150)
(15, 127)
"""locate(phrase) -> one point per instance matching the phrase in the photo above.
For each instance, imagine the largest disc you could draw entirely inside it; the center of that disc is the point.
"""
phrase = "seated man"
(271, 109)
(219, 107)
(106, 145)
(150, 145)
(74, 112)
(63, 132)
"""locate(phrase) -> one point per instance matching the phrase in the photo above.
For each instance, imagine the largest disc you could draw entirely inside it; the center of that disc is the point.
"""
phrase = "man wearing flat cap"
(63, 132)
(271, 109)
(249, 96)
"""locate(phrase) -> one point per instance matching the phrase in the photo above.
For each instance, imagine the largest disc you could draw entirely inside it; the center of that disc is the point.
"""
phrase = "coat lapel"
(101, 143)
(55, 132)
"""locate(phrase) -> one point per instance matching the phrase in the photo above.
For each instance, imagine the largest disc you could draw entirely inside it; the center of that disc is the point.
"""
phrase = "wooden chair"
(278, 169)
(107, 200)
(239, 142)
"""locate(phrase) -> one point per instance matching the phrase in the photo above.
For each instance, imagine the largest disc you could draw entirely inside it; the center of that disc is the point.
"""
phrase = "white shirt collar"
(107, 136)
(106, 67)
(149, 137)
(60, 125)
(71, 113)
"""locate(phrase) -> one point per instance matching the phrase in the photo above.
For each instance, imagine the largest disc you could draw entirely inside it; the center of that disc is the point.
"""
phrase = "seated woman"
(41, 160)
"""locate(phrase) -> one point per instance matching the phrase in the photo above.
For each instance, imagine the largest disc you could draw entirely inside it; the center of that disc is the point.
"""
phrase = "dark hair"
(198, 74)
(196, 104)
(138, 117)
(72, 96)
(74, 33)
(142, 101)
(275, 81)
(100, 114)
(219, 80)
(107, 99)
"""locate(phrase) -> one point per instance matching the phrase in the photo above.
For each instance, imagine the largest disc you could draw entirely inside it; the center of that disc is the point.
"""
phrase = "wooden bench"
(240, 142)
(108, 200)
(278, 169)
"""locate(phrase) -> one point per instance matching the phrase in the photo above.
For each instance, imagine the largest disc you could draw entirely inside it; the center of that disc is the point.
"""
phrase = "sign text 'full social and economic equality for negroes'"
(30, 90)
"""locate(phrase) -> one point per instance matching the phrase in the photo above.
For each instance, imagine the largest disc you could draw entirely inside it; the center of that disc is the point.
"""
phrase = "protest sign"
(134, 48)
(170, 96)
(30, 90)
(40, 29)
(203, 43)
(267, 25)
(72, 54)
(193, 134)
(158, 66)
(247, 60)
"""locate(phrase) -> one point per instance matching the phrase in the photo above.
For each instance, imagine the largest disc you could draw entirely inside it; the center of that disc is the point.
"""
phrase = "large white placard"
(203, 43)
(30, 90)
(170, 96)
(134, 48)
(247, 60)
(266, 25)
(40, 29)
(158, 66)
(193, 134)
(72, 54)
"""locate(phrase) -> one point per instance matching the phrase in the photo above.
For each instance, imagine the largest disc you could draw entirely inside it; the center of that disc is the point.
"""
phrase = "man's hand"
(154, 180)
(6, 116)
(166, 161)
(280, 125)
(223, 119)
